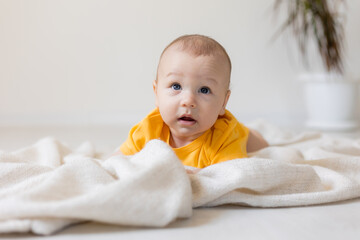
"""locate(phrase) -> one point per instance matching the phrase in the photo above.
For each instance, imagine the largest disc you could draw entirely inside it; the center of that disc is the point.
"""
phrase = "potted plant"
(331, 99)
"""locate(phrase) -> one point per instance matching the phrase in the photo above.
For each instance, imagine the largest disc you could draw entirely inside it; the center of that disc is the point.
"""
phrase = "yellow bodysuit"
(225, 140)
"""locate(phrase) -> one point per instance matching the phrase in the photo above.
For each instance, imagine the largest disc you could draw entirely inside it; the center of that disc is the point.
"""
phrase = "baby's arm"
(117, 153)
(255, 141)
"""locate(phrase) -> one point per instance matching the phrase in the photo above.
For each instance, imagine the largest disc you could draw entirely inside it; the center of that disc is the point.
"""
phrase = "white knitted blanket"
(47, 186)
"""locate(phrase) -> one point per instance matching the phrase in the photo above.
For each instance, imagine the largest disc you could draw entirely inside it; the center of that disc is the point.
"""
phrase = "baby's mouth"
(187, 120)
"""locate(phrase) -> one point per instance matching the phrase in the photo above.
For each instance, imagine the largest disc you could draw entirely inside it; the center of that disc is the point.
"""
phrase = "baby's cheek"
(208, 121)
(167, 115)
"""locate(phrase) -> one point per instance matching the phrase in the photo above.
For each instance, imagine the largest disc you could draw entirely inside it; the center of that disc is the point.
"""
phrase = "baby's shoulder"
(227, 139)
(227, 123)
(227, 129)
(150, 127)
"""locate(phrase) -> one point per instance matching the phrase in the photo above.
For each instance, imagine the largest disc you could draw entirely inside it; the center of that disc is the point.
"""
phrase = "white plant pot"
(332, 104)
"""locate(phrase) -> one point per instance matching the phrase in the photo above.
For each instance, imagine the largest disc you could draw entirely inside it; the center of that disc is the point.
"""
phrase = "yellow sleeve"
(130, 146)
(231, 142)
(149, 128)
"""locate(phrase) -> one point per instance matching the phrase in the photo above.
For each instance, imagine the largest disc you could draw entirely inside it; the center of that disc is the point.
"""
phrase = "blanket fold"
(36, 193)
(47, 186)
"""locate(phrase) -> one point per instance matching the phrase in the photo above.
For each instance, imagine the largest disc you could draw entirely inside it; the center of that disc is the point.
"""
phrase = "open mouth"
(187, 120)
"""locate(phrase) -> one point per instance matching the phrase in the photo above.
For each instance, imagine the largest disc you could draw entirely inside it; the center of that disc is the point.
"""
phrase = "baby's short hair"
(199, 45)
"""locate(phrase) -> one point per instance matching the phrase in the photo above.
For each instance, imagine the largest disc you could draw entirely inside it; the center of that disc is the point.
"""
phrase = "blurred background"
(92, 62)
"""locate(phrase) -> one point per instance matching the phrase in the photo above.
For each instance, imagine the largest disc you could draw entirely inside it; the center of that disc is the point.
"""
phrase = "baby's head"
(192, 86)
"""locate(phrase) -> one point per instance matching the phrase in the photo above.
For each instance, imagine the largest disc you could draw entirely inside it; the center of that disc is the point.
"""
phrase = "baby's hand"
(192, 171)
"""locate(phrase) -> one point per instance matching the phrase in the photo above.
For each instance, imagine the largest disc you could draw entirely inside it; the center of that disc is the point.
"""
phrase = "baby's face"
(191, 92)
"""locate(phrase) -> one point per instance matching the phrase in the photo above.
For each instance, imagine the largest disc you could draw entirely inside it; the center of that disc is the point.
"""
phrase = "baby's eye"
(176, 86)
(205, 90)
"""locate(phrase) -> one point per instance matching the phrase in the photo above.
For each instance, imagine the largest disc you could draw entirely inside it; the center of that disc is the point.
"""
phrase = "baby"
(192, 90)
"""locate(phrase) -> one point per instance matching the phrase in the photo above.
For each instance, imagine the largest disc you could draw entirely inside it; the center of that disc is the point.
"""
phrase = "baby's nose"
(188, 100)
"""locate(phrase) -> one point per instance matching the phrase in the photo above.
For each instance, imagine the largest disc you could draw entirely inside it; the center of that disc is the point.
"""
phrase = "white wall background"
(93, 61)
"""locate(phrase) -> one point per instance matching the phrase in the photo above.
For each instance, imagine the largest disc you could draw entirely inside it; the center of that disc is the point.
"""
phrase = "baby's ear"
(155, 85)
(222, 112)
(155, 91)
